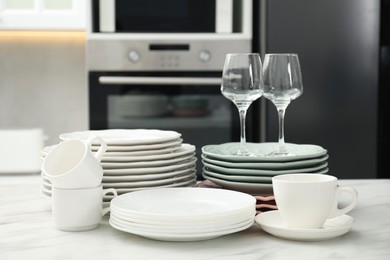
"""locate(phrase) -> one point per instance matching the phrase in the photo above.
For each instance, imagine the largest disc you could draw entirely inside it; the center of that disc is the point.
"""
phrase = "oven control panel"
(145, 55)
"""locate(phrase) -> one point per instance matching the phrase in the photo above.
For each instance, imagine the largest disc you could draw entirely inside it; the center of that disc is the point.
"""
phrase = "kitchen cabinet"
(42, 15)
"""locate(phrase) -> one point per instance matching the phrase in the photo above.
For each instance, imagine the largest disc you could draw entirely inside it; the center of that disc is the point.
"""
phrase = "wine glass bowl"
(282, 84)
(242, 83)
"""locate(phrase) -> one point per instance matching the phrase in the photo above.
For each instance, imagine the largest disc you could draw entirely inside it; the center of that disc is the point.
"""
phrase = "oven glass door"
(168, 16)
(196, 109)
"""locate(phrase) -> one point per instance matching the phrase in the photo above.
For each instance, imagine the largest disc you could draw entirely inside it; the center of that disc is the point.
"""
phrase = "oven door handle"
(117, 80)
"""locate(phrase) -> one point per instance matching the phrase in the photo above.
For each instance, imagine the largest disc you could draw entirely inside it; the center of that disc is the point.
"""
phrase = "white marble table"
(27, 232)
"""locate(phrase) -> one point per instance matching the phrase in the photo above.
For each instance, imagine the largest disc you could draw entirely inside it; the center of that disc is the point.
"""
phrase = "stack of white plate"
(139, 159)
(182, 214)
(253, 174)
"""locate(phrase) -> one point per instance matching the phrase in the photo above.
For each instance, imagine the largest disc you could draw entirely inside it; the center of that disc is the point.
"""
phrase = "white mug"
(308, 200)
(78, 209)
(71, 164)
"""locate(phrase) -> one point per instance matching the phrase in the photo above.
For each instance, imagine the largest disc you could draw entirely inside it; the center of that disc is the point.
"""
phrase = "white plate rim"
(147, 164)
(145, 177)
(184, 195)
(149, 183)
(140, 147)
(151, 170)
(125, 136)
(184, 149)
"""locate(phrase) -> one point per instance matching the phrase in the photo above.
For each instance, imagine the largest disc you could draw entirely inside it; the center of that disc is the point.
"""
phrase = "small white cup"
(72, 165)
(308, 200)
(78, 209)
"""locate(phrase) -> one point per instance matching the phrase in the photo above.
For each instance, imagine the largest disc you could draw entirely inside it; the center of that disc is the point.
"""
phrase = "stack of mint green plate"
(253, 174)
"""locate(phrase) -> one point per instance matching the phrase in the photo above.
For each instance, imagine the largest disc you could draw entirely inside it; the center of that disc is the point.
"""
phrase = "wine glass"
(242, 83)
(282, 83)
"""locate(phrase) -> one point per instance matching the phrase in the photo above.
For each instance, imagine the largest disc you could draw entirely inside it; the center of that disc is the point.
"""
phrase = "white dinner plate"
(149, 170)
(108, 156)
(146, 164)
(226, 219)
(225, 152)
(267, 165)
(176, 237)
(149, 183)
(125, 136)
(184, 149)
(271, 222)
(146, 177)
(199, 228)
(179, 204)
(259, 172)
(140, 147)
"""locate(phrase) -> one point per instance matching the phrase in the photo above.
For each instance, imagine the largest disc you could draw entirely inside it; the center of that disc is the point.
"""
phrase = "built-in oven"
(165, 79)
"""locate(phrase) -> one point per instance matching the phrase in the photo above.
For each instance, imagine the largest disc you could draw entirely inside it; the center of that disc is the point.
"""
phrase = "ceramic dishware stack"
(253, 174)
(138, 159)
(182, 214)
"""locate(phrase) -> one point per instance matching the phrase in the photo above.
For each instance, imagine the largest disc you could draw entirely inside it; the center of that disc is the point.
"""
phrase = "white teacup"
(78, 209)
(72, 165)
(308, 200)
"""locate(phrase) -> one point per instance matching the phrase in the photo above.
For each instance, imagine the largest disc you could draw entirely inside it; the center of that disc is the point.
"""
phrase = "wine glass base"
(243, 151)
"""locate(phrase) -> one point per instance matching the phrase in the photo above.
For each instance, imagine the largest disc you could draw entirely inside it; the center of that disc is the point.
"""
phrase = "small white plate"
(271, 222)
(141, 147)
(257, 172)
(225, 152)
(146, 164)
(125, 136)
(146, 177)
(267, 165)
(149, 183)
(184, 149)
(141, 153)
(149, 170)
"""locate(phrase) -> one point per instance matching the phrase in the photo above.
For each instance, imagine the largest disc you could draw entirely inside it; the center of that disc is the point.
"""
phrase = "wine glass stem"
(242, 125)
(282, 146)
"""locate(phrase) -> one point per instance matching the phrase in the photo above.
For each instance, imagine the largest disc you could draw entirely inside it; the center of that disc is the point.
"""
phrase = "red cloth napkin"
(263, 203)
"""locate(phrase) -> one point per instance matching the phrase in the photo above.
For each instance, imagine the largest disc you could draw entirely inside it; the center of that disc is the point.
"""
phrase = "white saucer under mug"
(272, 223)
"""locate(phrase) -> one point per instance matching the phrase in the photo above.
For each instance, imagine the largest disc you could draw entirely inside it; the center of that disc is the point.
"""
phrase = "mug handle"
(102, 149)
(113, 191)
(338, 212)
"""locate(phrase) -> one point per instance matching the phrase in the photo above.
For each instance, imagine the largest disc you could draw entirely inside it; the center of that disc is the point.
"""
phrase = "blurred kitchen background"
(55, 75)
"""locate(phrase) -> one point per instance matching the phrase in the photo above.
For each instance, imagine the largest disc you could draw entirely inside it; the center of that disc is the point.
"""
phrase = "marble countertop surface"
(27, 232)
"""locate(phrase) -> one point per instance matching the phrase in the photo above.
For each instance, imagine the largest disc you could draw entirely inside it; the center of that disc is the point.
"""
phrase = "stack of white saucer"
(253, 174)
(182, 214)
(138, 159)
